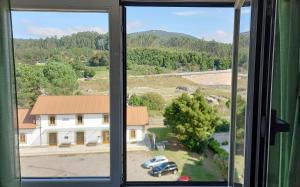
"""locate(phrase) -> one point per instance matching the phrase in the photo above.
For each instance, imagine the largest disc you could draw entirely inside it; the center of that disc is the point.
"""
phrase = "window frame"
(118, 86)
(77, 119)
(112, 8)
(105, 119)
(132, 132)
(50, 117)
(180, 3)
(22, 136)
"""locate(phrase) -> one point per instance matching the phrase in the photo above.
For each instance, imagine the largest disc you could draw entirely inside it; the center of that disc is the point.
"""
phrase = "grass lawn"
(195, 165)
(101, 72)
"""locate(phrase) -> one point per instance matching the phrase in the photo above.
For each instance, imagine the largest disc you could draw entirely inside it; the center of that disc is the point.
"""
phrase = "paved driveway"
(87, 165)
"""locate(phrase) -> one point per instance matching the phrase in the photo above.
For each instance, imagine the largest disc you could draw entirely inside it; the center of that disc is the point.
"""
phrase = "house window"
(132, 134)
(22, 138)
(79, 120)
(52, 120)
(105, 118)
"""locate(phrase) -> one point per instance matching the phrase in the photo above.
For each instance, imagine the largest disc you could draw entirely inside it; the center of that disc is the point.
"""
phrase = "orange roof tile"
(47, 105)
(26, 120)
(137, 115)
(71, 105)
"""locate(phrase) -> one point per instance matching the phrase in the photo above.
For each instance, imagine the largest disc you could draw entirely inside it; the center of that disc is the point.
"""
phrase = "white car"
(156, 161)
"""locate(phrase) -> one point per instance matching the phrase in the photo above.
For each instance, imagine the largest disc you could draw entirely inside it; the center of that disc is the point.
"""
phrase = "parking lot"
(87, 165)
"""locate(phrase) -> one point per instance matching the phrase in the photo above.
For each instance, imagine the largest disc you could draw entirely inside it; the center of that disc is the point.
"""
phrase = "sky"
(205, 23)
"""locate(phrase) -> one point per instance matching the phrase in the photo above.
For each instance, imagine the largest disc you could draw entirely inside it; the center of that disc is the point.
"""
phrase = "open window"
(72, 55)
(150, 88)
(176, 68)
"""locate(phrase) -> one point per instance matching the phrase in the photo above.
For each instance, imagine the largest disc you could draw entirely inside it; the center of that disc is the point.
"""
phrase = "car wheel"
(159, 175)
(175, 171)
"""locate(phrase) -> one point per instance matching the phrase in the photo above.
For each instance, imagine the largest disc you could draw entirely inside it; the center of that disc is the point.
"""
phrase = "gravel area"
(87, 165)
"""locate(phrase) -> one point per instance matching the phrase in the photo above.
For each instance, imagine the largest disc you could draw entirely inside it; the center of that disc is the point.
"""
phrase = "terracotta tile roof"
(46, 105)
(71, 105)
(137, 115)
(26, 120)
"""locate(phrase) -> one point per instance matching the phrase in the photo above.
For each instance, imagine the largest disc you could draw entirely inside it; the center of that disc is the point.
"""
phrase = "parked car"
(184, 178)
(164, 168)
(156, 161)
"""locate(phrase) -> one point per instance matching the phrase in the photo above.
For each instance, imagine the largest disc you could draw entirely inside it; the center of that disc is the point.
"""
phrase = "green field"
(167, 86)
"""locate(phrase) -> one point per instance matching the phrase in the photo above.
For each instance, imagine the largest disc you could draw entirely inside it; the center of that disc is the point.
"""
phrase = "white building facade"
(62, 128)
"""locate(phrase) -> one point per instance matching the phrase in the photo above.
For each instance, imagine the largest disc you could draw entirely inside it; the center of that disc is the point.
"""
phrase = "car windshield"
(152, 160)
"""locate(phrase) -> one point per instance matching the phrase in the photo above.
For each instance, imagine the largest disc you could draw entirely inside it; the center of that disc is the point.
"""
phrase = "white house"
(75, 120)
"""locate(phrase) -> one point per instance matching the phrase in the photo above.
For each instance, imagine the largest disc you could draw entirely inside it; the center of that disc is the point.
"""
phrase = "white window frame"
(116, 87)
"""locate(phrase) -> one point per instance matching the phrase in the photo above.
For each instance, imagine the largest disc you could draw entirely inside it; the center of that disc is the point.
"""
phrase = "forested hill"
(148, 52)
(147, 39)
(163, 35)
(163, 39)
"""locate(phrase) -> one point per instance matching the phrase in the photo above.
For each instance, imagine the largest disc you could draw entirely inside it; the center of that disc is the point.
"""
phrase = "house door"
(79, 138)
(52, 139)
(105, 135)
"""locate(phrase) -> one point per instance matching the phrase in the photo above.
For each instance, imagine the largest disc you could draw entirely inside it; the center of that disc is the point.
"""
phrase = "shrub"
(222, 164)
(216, 148)
(88, 73)
(153, 101)
(220, 158)
(135, 100)
(223, 126)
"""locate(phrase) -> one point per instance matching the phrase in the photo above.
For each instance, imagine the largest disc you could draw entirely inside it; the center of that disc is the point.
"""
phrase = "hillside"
(147, 39)
(163, 35)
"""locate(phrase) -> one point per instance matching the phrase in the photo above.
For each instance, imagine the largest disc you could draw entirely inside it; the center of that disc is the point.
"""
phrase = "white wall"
(70, 121)
(139, 132)
(66, 128)
(28, 136)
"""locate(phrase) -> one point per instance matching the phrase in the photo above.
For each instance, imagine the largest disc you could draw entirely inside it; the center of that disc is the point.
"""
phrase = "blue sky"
(207, 23)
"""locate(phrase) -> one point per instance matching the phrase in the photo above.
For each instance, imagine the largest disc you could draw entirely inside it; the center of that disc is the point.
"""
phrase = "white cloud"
(133, 25)
(36, 31)
(219, 36)
(187, 13)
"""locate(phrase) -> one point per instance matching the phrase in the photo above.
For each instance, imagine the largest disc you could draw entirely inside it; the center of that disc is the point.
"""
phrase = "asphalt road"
(87, 165)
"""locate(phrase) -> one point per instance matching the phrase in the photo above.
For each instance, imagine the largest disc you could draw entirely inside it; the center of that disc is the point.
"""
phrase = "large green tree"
(192, 119)
(62, 78)
(30, 84)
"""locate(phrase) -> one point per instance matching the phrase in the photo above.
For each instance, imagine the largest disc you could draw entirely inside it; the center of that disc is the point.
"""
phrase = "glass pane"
(242, 84)
(62, 67)
(178, 90)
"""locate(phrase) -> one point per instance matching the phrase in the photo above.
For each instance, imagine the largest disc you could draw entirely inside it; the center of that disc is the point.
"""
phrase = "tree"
(192, 119)
(79, 68)
(101, 58)
(30, 84)
(62, 78)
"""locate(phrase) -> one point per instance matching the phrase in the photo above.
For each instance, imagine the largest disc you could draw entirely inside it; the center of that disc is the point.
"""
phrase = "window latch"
(277, 125)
